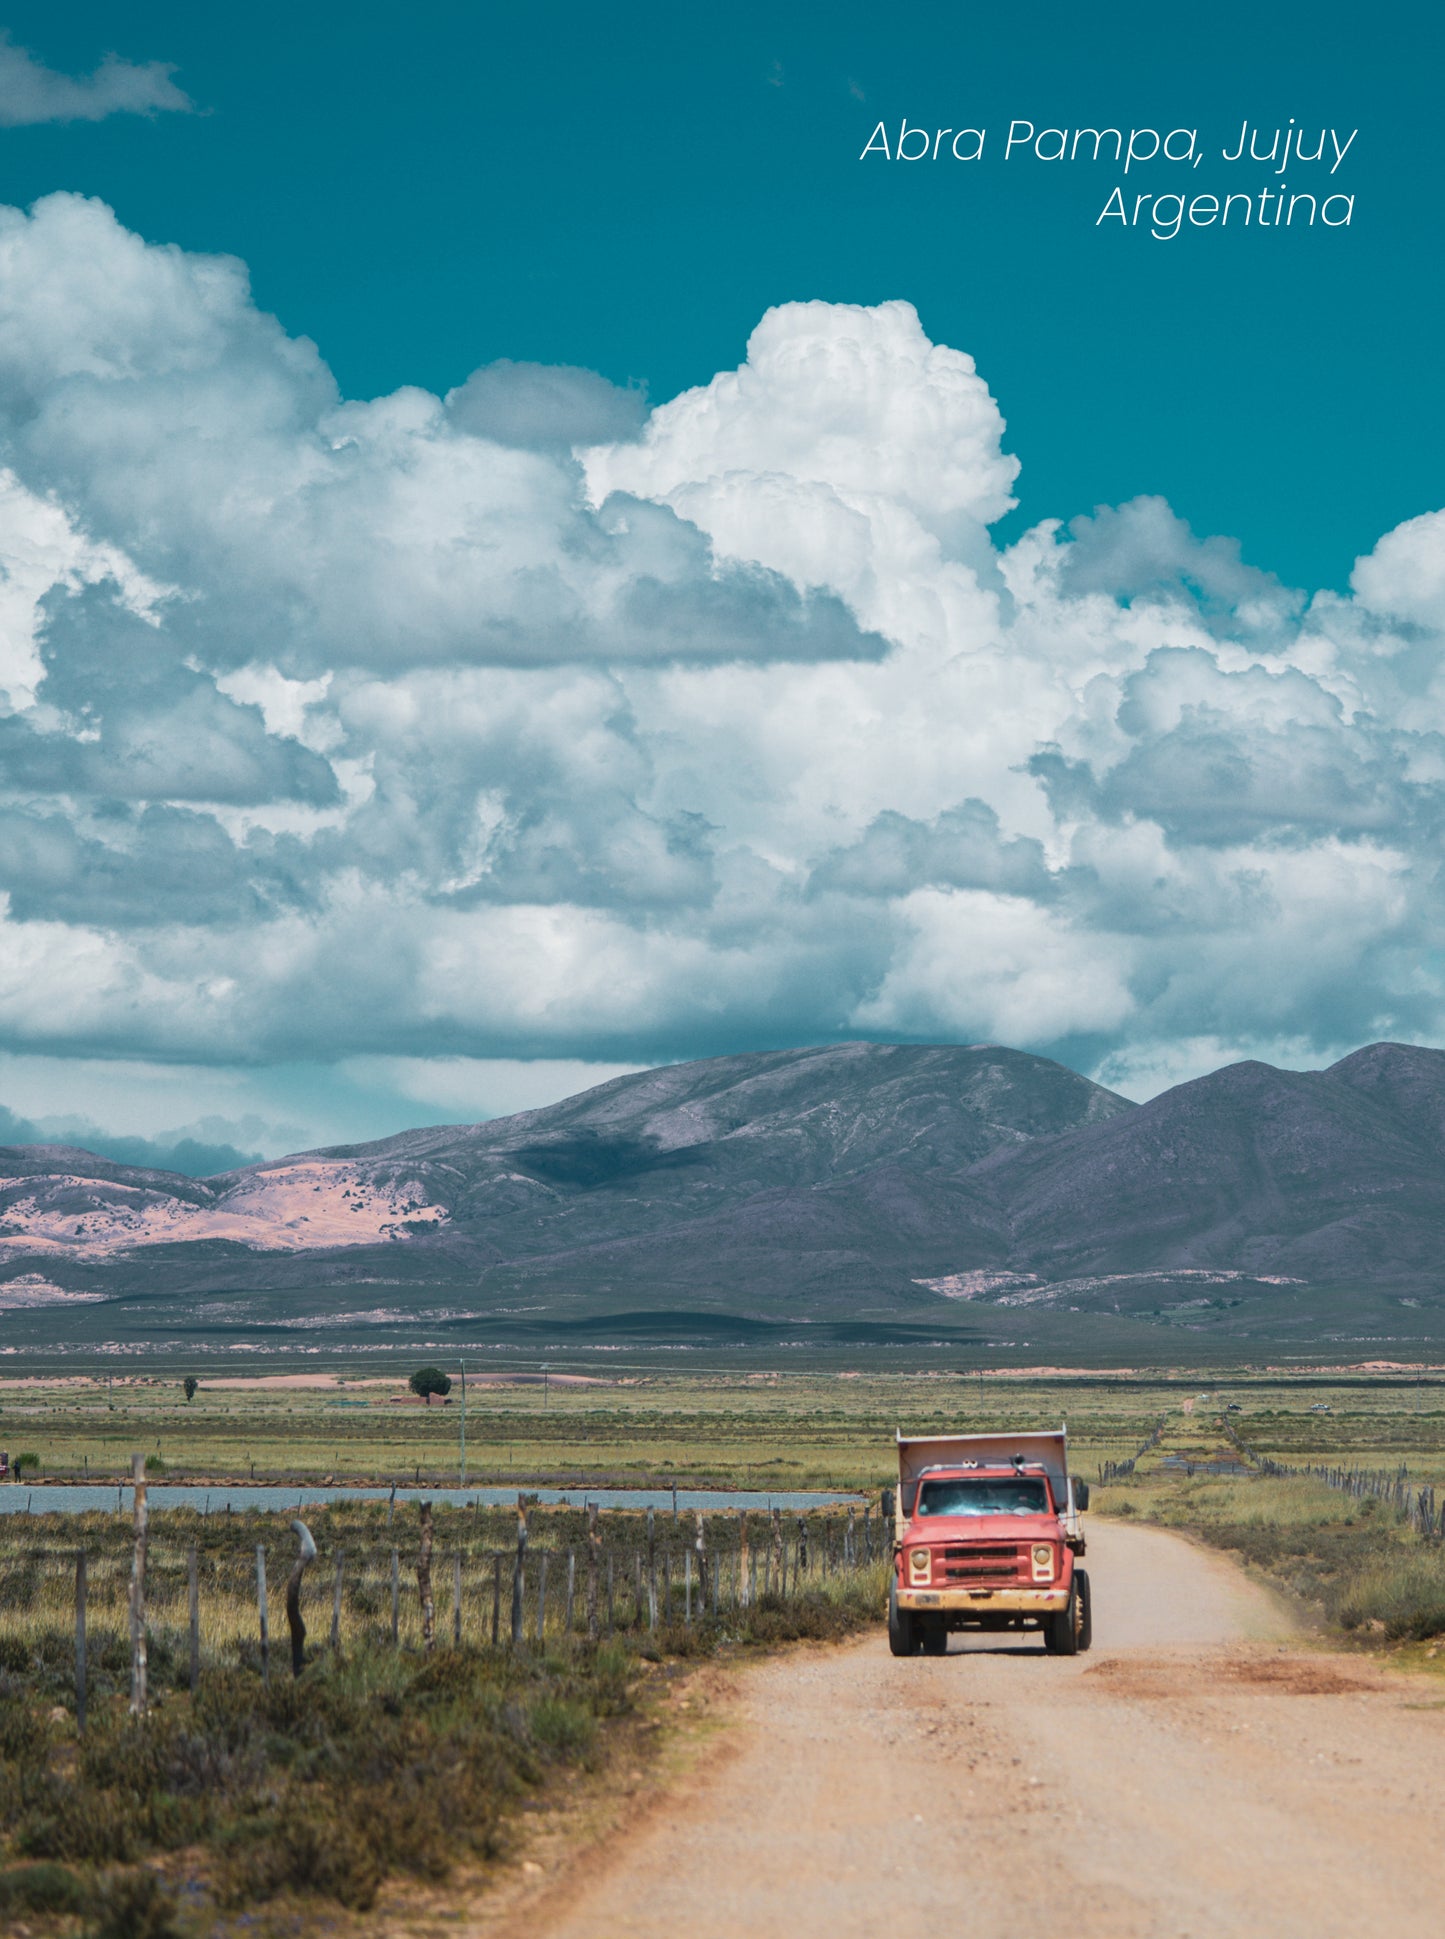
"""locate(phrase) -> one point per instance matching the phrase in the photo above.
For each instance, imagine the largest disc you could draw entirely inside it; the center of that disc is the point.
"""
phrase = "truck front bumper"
(1012, 1602)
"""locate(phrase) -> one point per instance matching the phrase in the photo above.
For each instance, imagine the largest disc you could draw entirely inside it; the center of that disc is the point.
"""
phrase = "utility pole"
(463, 1472)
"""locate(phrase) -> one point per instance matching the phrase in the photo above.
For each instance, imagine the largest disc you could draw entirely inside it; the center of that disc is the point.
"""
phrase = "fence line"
(1116, 1470)
(193, 1605)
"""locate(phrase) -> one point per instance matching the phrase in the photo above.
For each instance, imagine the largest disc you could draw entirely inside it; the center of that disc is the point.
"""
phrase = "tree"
(190, 1383)
(427, 1381)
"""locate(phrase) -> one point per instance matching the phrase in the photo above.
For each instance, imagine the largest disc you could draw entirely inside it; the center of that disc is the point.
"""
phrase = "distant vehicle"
(987, 1536)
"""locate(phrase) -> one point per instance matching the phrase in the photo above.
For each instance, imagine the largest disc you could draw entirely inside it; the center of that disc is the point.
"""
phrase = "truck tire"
(903, 1636)
(1061, 1632)
(935, 1638)
(1086, 1609)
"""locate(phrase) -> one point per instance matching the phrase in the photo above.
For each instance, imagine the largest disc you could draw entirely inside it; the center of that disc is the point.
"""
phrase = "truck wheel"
(1086, 1609)
(902, 1628)
(1061, 1632)
(935, 1639)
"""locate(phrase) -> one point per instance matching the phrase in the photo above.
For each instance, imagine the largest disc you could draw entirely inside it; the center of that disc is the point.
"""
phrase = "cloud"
(1404, 577)
(533, 728)
(545, 407)
(961, 848)
(214, 454)
(30, 92)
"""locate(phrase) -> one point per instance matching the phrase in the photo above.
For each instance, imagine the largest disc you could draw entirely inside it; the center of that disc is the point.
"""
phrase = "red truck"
(986, 1536)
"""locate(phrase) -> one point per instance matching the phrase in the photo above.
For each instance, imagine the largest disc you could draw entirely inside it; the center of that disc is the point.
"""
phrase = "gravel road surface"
(1200, 1772)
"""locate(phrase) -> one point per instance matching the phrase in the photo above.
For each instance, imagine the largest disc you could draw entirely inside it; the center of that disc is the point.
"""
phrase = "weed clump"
(1402, 1596)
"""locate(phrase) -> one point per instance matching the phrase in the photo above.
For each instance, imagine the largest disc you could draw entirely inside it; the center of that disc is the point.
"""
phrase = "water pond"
(58, 1498)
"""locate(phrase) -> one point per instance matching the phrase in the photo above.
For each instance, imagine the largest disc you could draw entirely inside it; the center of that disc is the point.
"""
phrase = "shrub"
(135, 1905)
(65, 1821)
(562, 1724)
(40, 1888)
(306, 1850)
(29, 1459)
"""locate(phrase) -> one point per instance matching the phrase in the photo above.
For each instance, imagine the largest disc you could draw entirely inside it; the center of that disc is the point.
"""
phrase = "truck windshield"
(1018, 1495)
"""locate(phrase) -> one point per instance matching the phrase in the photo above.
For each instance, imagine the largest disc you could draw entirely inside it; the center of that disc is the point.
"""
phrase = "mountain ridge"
(821, 1183)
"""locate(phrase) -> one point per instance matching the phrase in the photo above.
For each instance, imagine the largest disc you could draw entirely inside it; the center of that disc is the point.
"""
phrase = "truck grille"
(998, 1562)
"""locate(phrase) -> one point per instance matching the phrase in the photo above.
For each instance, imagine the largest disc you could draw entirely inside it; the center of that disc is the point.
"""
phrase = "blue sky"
(628, 191)
(399, 724)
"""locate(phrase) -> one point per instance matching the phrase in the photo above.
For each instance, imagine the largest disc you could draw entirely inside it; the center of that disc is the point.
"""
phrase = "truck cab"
(987, 1536)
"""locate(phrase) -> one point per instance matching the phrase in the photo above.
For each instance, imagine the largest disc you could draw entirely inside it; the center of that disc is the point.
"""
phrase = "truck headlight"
(1043, 1562)
(920, 1565)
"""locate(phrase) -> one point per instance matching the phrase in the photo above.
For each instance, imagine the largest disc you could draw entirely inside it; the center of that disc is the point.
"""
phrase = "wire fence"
(176, 1595)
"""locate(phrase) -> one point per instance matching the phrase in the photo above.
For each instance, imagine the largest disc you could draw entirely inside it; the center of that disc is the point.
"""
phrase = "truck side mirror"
(1081, 1493)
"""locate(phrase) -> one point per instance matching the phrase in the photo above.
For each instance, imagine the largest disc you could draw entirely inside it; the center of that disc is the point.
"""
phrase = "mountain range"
(968, 1195)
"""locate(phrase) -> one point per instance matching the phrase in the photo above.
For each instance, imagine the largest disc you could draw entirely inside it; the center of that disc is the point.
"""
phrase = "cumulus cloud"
(213, 452)
(532, 727)
(546, 407)
(1404, 577)
(31, 92)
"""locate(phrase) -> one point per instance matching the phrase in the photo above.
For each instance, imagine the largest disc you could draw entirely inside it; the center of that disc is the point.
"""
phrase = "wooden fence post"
(651, 1573)
(850, 1550)
(779, 1553)
(80, 1587)
(700, 1547)
(457, 1600)
(496, 1598)
(637, 1588)
(305, 1556)
(744, 1557)
(336, 1602)
(542, 1596)
(193, 1613)
(571, 1589)
(261, 1610)
(138, 1589)
(800, 1551)
(423, 1580)
(395, 1599)
(687, 1586)
(594, 1544)
(519, 1572)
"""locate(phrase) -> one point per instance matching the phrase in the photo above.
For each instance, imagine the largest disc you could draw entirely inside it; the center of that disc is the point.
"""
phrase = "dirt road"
(1198, 1773)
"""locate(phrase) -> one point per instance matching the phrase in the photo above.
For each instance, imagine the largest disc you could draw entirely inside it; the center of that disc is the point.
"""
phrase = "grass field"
(759, 1430)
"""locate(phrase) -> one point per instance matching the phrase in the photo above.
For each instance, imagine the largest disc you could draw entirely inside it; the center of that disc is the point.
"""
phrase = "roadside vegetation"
(388, 1759)
(1356, 1564)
